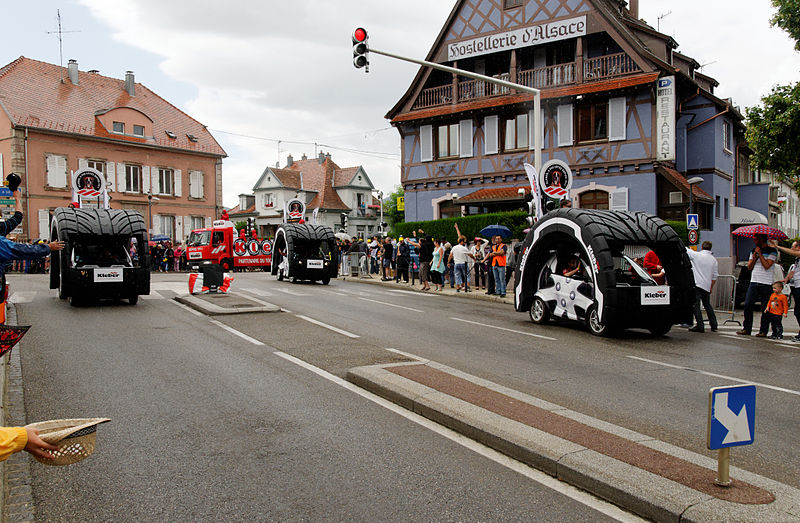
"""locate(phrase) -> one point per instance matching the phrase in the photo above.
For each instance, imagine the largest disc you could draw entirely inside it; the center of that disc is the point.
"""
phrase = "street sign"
(731, 416)
(692, 221)
(5, 192)
(401, 203)
(693, 236)
(7, 201)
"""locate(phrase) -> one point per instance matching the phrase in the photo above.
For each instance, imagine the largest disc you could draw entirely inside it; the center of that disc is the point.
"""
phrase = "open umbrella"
(343, 236)
(496, 230)
(759, 229)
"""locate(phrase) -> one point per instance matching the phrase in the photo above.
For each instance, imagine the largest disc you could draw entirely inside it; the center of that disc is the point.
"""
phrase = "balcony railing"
(600, 68)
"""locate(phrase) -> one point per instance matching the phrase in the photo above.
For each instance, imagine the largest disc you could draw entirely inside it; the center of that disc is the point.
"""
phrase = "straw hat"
(75, 438)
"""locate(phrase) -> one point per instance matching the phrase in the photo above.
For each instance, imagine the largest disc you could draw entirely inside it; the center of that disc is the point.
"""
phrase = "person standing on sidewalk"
(479, 267)
(706, 271)
(459, 255)
(498, 261)
(762, 258)
(792, 278)
(437, 265)
(403, 260)
(777, 306)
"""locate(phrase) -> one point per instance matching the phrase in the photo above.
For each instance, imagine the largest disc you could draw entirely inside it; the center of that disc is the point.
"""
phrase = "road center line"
(391, 305)
(738, 380)
(501, 459)
(507, 330)
(331, 327)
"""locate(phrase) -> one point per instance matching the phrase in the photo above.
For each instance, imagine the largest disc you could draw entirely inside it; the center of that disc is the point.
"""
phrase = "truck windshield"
(101, 255)
(199, 238)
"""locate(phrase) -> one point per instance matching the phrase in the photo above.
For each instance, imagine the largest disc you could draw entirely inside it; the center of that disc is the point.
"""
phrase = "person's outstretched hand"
(56, 245)
(37, 446)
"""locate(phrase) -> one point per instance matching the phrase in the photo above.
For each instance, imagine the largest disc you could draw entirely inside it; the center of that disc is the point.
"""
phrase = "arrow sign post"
(731, 423)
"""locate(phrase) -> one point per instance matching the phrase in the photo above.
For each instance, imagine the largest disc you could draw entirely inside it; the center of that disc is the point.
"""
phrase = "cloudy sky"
(275, 78)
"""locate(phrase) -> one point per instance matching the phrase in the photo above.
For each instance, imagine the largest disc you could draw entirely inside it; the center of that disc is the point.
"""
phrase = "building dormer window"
(119, 127)
(138, 130)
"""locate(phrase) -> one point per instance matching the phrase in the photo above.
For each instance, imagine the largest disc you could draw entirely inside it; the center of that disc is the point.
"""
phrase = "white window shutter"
(200, 188)
(62, 171)
(51, 170)
(618, 199)
(564, 125)
(490, 135)
(178, 188)
(616, 119)
(123, 178)
(426, 143)
(44, 224)
(179, 227)
(154, 179)
(156, 224)
(187, 226)
(83, 163)
(465, 135)
(208, 221)
(145, 179)
(110, 178)
(532, 130)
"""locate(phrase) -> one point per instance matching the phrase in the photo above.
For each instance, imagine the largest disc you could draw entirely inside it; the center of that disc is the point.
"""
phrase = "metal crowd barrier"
(355, 264)
(723, 298)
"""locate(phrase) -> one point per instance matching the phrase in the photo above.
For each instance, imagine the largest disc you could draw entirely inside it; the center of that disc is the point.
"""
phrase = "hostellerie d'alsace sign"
(534, 35)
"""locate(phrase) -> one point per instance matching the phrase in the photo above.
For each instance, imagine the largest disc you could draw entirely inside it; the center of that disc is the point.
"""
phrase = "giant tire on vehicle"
(288, 237)
(76, 226)
(597, 235)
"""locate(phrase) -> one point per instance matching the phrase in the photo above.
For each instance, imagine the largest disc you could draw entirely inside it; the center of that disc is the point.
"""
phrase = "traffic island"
(649, 477)
(214, 304)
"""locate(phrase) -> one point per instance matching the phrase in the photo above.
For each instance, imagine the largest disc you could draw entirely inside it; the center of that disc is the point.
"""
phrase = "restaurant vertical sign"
(665, 118)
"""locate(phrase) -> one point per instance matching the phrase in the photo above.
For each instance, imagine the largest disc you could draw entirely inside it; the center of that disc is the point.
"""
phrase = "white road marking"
(235, 332)
(407, 355)
(415, 293)
(326, 291)
(501, 459)
(257, 292)
(22, 297)
(391, 305)
(738, 380)
(734, 337)
(331, 327)
(291, 292)
(174, 286)
(507, 330)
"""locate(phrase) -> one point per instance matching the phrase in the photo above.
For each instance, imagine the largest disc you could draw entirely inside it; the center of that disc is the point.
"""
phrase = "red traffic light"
(359, 35)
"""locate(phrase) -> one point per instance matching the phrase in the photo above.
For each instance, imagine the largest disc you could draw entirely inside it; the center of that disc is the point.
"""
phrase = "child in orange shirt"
(777, 306)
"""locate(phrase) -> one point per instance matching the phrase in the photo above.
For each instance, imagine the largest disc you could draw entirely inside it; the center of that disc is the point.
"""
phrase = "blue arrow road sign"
(691, 221)
(731, 416)
(5, 192)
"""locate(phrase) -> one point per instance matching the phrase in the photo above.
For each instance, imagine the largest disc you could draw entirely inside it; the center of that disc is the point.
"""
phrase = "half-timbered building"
(633, 118)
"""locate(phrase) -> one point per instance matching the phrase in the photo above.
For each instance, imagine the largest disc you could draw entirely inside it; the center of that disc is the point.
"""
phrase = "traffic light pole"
(537, 95)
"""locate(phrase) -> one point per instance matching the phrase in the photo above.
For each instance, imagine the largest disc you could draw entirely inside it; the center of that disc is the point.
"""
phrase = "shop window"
(594, 200)
(516, 133)
(448, 140)
(592, 122)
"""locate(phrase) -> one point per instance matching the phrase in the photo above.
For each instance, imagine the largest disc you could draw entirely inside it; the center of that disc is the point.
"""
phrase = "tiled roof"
(287, 177)
(236, 211)
(342, 177)
(327, 198)
(680, 181)
(33, 95)
(495, 194)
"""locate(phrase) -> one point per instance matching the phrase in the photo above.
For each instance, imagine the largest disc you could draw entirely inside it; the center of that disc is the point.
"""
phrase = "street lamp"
(692, 182)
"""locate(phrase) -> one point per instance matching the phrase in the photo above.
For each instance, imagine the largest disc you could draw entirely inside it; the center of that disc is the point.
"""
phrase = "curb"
(213, 309)
(474, 295)
(17, 494)
(632, 488)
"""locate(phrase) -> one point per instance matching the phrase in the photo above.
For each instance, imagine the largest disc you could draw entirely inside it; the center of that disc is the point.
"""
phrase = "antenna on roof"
(60, 50)
(707, 63)
(662, 15)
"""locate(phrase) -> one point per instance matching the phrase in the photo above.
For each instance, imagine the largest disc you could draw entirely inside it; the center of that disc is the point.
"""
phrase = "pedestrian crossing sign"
(691, 221)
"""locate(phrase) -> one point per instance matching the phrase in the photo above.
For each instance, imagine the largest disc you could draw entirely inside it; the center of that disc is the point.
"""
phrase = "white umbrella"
(343, 236)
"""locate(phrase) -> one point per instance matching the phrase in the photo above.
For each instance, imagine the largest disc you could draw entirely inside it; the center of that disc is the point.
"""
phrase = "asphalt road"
(208, 425)
(656, 386)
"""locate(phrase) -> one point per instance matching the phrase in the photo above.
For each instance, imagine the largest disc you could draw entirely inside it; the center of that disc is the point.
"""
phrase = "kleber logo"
(655, 295)
(104, 275)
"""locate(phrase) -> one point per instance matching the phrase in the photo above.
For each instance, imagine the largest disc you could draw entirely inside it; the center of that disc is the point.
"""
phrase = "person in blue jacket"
(10, 251)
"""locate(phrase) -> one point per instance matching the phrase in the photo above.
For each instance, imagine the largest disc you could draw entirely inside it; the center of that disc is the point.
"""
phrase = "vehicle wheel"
(226, 264)
(133, 299)
(280, 274)
(539, 312)
(659, 329)
(596, 327)
(75, 301)
(293, 279)
(326, 281)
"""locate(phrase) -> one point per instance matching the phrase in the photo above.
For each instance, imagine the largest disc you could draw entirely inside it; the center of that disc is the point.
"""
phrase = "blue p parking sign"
(731, 416)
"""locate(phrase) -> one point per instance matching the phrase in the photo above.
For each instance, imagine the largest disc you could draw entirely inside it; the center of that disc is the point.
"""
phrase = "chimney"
(289, 161)
(129, 83)
(321, 158)
(327, 156)
(633, 8)
(72, 71)
(304, 157)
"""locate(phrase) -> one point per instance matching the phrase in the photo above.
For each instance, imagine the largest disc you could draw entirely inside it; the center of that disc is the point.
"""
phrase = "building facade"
(155, 158)
(633, 118)
(321, 184)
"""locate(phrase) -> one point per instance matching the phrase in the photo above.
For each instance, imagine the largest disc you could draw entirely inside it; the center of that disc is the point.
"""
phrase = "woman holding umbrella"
(762, 258)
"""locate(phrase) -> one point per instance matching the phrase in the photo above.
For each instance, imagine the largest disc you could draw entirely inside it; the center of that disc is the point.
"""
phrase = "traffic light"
(361, 48)
(251, 225)
(344, 221)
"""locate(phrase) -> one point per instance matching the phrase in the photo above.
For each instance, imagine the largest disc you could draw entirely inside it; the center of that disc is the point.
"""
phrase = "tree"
(773, 128)
(390, 211)
(788, 18)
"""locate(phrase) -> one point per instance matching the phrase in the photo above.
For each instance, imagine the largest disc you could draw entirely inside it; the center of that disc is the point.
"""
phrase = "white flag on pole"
(530, 170)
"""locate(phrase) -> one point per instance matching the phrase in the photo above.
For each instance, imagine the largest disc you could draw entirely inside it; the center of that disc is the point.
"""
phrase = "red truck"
(221, 245)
